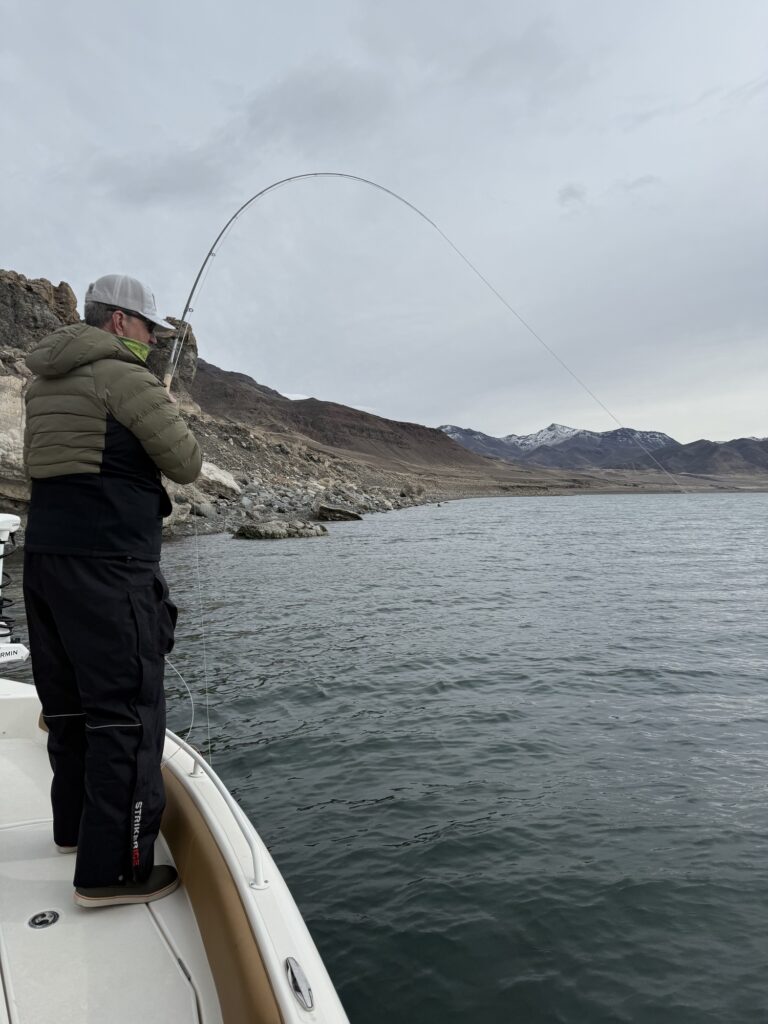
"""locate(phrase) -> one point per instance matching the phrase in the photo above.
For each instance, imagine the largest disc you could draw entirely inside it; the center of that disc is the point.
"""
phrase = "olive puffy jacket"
(100, 429)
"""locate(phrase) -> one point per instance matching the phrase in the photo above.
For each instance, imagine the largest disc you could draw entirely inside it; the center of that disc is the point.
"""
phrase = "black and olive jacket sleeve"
(140, 403)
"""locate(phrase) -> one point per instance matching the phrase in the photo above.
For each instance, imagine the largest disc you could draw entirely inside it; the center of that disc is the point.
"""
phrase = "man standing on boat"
(100, 430)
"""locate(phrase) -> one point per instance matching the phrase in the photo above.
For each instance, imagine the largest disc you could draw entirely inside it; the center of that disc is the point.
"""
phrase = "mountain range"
(561, 447)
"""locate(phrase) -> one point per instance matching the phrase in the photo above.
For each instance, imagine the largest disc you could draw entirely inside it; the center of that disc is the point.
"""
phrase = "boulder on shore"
(217, 481)
(333, 514)
(204, 509)
(276, 530)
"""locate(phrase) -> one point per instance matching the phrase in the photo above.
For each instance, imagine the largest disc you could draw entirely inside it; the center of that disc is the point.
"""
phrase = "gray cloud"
(747, 92)
(309, 112)
(572, 195)
(644, 181)
(318, 106)
(532, 66)
(525, 59)
(709, 102)
(173, 178)
(640, 118)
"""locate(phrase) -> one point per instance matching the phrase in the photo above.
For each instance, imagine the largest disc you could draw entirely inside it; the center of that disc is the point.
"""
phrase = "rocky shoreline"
(297, 500)
(259, 508)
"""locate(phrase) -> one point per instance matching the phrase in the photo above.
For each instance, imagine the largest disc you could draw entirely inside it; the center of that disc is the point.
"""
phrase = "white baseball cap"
(126, 293)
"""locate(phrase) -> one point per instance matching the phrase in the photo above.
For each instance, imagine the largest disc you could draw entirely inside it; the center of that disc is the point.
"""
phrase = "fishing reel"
(11, 648)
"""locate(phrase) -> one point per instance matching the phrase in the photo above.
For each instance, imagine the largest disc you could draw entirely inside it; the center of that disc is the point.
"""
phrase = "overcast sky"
(604, 164)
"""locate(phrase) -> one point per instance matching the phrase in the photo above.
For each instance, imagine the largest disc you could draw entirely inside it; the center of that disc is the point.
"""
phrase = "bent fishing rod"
(181, 335)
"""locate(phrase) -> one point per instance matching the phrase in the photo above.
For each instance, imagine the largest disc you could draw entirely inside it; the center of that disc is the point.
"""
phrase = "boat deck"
(229, 945)
(142, 963)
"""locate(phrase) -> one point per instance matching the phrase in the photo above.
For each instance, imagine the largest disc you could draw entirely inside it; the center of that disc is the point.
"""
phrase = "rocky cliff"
(29, 309)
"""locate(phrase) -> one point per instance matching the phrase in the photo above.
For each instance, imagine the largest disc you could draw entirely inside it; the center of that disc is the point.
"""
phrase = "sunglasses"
(137, 316)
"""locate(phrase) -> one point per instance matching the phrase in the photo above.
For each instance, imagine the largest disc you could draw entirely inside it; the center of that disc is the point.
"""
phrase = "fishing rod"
(180, 339)
(182, 334)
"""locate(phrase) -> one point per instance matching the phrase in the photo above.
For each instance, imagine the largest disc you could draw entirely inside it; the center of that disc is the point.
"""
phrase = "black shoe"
(162, 880)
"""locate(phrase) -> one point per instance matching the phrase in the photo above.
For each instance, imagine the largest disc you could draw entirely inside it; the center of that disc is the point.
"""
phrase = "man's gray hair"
(97, 313)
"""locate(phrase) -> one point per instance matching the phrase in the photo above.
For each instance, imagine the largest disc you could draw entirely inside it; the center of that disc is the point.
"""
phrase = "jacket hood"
(73, 346)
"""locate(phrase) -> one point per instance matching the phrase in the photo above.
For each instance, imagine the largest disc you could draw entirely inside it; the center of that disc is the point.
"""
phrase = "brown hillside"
(237, 397)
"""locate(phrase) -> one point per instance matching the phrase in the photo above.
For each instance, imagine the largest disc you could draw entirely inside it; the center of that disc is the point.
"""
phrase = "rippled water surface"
(509, 754)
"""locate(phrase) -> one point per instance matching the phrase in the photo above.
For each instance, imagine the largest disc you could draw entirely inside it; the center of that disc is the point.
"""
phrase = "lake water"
(510, 754)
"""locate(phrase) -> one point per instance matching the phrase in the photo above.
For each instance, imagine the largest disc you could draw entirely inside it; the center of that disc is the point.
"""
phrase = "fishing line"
(200, 280)
(202, 636)
(202, 275)
(192, 703)
(205, 660)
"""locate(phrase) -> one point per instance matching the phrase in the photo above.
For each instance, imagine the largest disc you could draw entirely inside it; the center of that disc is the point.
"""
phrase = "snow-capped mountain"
(564, 447)
(555, 433)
